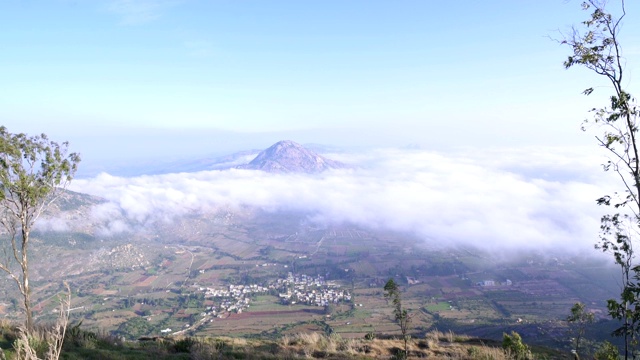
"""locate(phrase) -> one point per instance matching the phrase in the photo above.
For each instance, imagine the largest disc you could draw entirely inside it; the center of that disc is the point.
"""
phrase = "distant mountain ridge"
(214, 163)
(290, 157)
(279, 163)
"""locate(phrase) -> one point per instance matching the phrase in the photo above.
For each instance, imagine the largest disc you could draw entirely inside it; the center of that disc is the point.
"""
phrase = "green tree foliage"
(579, 320)
(607, 351)
(33, 171)
(134, 328)
(514, 346)
(596, 47)
(401, 316)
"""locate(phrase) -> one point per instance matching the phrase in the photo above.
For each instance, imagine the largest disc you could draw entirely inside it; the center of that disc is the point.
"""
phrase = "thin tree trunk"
(27, 309)
(26, 290)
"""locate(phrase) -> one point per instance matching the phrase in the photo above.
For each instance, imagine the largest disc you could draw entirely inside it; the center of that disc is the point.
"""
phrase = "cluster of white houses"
(311, 291)
(494, 283)
(294, 289)
(236, 298)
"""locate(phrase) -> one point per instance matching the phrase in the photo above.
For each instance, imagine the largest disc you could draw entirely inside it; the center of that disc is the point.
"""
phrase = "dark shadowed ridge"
(287, 156)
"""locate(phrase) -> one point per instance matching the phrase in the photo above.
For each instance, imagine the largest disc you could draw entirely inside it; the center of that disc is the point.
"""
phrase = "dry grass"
(44, 342)
(435, 345)
(487, 353)
(308, 345)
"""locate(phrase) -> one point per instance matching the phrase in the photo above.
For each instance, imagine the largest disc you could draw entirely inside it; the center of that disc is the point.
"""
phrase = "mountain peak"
(289, 156)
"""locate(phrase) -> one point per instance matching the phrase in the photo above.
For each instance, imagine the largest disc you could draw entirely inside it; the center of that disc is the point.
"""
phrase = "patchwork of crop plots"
(159, 288)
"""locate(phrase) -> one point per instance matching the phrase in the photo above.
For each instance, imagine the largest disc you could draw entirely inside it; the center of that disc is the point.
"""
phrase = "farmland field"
(150, 283)
(441, 306)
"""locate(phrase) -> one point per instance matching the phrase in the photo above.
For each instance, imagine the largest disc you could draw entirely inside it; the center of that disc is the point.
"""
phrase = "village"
(294, 289)
(310, 291)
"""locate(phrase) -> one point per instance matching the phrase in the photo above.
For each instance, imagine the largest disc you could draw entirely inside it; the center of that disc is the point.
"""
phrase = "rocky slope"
(288, 157)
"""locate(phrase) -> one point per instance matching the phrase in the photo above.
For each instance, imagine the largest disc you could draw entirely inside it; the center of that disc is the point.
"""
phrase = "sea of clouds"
(509, 198)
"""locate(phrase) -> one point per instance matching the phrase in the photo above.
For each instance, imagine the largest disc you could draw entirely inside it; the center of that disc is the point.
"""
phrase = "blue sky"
(123, 79)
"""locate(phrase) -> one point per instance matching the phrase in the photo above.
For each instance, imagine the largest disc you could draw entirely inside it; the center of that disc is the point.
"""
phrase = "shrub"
(513, 345)
(607, 351)
(184, 345)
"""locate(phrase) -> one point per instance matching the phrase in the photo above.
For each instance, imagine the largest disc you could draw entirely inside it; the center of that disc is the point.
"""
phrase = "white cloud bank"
(507, 198)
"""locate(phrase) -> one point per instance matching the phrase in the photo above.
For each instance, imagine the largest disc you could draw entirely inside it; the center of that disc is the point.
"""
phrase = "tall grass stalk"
(44, 342)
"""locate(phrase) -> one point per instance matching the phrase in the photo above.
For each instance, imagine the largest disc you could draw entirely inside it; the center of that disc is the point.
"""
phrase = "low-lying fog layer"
(504, 197)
